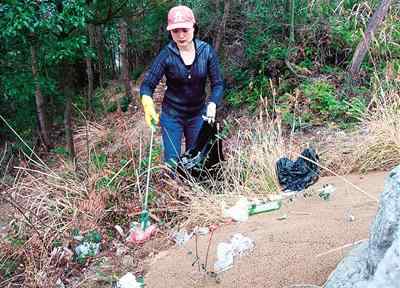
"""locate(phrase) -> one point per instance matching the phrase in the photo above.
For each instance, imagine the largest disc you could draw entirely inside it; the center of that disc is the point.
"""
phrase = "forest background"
(57, 57)
(74, 144)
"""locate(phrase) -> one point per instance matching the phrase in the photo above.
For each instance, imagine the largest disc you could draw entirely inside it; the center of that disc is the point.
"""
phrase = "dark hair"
(195, 32)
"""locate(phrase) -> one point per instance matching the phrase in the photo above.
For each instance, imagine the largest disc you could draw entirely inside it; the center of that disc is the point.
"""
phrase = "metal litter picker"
(144, 215)
(143, 231)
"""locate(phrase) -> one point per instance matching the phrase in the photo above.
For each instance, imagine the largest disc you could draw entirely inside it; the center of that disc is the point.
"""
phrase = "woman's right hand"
(150, 115)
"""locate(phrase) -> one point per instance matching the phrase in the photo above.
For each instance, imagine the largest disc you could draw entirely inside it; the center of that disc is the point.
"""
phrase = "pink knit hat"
(180, 17)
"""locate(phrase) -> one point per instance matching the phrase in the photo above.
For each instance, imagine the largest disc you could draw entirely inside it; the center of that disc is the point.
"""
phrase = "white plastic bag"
(239, 212)
(224, 257)
(181, 237)
(241, 244)
(128, 281)
(238, 246)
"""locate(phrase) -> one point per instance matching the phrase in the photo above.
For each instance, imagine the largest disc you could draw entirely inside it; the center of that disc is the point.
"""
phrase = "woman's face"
(182, 36)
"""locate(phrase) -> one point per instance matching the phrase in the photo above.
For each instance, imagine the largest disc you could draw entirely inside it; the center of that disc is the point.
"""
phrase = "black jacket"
(185, 94)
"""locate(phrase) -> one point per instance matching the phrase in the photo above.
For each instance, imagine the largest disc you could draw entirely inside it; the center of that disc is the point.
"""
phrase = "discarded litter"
(349, 216)
(326, 191)
(243, 208)
(300, 213)
(202, 230)
(59, 284)
(89, 247)
(139, 236)
(241, 244)
(78, 237)
(257, 208)
(238, 246)
(224, 256)
(129, 281)
(283, 217)
(86, 249)
(239, 212)
(119, 230)
(181, 237)
(300, 174)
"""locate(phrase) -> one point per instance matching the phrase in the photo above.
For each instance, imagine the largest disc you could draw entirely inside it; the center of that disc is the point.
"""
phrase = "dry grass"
(50, 204)
(249, 170)
(381, 149)
(46, 207)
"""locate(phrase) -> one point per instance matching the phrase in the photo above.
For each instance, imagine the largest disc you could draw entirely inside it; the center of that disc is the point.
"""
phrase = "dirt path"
(286, 250)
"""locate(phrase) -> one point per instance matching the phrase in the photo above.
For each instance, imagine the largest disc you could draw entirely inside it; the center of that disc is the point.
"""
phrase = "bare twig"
(340, 248)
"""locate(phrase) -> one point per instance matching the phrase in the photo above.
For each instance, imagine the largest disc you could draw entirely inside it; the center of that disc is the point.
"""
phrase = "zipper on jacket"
(189, 71)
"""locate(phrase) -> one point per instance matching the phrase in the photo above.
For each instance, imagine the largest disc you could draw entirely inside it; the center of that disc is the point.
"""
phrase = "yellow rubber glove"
(150, 115)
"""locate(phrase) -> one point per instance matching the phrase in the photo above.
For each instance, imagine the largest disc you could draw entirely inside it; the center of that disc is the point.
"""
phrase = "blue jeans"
(173, 128)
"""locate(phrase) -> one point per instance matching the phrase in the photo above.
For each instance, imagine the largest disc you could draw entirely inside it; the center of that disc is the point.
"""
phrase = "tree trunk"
(68, 87)
(221, 30)
(40, 102)
(112, 59)
(89, 71)
(362, 48)
(123, 27)
(100, 54)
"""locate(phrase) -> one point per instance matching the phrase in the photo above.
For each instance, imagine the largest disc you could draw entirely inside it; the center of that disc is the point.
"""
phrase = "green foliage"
(344, 33)
(60, 150)
(137, 71)
(8, 268)
(251, 94)
(325, 105)
(155, 156)
(92, 236)
(55, 35)
(75, 232)
(15, 241)
(102, 183)
(99, 160)
(111, 107)
(126, 171)
(57, 243)
(124, 103)
(325, 36)
(322, 98)
(145, 29)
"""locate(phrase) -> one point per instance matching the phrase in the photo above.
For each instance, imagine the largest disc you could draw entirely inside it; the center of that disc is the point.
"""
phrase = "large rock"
(376, 262)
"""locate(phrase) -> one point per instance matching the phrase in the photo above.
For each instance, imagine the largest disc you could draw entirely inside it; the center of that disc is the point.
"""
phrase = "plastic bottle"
(256, 208)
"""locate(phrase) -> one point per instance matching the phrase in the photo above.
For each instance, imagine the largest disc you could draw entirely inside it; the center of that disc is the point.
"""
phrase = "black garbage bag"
(203, 160)
(300, 174)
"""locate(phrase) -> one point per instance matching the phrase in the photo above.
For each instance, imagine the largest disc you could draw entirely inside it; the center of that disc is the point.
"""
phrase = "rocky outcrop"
(376, 262)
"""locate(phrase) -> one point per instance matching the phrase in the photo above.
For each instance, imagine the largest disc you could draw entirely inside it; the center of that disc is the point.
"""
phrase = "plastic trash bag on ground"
(241, 244)
(240, 211)
(224, 256)
(128, 281)
(87, 249)
(300, 174)
(238, 246)
(139, 236)
(181, 237)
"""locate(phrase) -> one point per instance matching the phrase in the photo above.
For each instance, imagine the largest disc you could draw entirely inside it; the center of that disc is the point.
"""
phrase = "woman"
(186, 62)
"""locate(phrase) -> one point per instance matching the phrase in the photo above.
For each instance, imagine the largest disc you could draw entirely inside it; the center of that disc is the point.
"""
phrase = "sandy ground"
(287, 252)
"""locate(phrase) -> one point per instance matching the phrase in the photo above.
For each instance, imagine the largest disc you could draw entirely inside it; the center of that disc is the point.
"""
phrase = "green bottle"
(264, 207)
